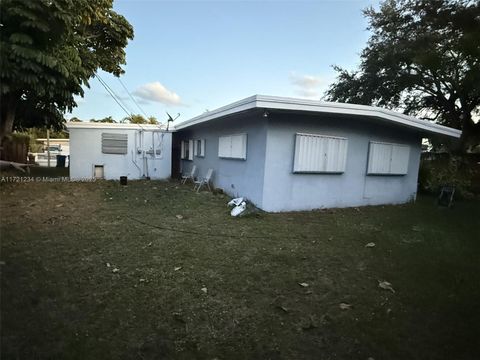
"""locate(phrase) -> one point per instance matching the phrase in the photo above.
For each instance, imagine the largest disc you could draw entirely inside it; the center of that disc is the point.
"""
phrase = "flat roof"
(314, 106)
(119, 126)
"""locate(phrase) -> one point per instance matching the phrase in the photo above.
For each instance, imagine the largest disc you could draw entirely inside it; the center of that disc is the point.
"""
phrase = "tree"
(423, 58)
(139, 119)
(108, 119)
(50, 49)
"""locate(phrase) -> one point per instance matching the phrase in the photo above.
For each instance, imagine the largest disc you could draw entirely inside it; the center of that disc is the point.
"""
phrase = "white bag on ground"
(237, 210)
(235, 202)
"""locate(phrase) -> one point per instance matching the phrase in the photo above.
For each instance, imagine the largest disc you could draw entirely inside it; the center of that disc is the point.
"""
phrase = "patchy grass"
(60, 299)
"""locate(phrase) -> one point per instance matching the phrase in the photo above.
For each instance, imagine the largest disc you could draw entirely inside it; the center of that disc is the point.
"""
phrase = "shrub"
(460, 171)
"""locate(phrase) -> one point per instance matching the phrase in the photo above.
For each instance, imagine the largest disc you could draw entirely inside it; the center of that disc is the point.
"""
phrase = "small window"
(187, 150)
(182, 150)
(388, 159)
(233, 146)
(319, 154)
(199, 149)
(114, 143)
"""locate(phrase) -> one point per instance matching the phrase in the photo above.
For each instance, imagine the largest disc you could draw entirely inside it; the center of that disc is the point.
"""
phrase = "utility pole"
(48, 147)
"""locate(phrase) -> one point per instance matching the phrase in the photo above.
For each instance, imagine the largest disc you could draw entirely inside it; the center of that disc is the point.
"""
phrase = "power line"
(115, 96)
(131, 97)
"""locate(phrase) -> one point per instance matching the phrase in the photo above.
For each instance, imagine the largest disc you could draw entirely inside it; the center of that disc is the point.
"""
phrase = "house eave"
(302, 105)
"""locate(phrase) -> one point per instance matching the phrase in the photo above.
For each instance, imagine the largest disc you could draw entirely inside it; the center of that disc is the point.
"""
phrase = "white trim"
(291, 104)
(112, 126)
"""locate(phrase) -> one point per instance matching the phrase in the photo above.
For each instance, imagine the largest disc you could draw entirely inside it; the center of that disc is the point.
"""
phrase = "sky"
(188, 57)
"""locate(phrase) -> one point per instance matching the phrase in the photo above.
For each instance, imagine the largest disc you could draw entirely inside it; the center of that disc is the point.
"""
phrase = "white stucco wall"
(288, 191)
(86, 152)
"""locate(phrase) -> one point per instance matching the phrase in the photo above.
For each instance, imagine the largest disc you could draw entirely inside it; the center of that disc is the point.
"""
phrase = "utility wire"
(119, 98)
(115, 96)
(131, 97)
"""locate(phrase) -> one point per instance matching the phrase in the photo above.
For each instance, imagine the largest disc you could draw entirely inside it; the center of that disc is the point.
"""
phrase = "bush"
(460, 171)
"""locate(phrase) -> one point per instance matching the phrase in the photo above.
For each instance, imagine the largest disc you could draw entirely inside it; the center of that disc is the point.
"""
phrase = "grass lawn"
(101, 271)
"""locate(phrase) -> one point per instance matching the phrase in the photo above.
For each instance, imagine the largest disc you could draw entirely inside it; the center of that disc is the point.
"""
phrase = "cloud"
(306, 85)
(158, 93)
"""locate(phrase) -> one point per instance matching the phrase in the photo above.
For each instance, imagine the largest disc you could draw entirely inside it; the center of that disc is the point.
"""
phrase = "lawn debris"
(345, 306)
(108, 264)
(179, 217)
(309, 324)
(235, 202)
(115, 270)
(237, 210)
(283, 308)
(178, 316)
(58, 205)
(176, 268)
(370, 245)
(142, 280)
(385, 285)
(204, 289)
(304, 284)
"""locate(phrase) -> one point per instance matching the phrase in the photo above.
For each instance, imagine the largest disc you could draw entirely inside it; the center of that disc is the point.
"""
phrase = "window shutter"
(233, 146)
(114, 143)
(182, 152)
(190, 149)
(320, 153)
(388, 159)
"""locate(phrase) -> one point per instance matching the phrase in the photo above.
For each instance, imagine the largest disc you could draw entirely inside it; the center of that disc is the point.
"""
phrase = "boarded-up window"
(114, 143)
(388, 159)
(233, 146)
(319, 154)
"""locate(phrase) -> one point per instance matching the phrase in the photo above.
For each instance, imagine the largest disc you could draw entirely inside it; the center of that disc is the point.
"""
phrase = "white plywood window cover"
(233, 146)
(316, 153)
(388, 159)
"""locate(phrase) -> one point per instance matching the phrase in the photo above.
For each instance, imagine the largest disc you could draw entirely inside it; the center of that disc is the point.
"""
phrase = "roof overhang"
(319, 107)
(113, 126)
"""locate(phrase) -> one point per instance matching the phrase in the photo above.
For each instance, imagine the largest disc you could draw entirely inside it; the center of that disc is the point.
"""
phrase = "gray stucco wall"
(235, 177)
(266, 177)
(288, 191)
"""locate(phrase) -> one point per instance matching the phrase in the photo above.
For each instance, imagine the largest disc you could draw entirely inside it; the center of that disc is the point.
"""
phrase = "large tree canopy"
(423, 58)
(49, 50)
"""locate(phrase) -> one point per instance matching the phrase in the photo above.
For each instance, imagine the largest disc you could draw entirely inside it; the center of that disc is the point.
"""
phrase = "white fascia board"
(233, 108)
(301, 105)
(113, 126)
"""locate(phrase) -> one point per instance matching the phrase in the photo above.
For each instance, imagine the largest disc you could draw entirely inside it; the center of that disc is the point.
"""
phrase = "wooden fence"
(14, 150)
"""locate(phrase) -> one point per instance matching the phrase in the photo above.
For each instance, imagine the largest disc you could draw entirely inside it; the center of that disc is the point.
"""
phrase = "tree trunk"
(469, 134)
(9, 107)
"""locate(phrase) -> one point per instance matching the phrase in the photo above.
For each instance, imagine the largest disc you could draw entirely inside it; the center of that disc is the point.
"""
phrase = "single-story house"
(287, 154)
(108, 151)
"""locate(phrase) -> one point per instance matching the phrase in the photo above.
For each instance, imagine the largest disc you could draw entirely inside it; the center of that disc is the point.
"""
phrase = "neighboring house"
(289, 154)
(108, 151)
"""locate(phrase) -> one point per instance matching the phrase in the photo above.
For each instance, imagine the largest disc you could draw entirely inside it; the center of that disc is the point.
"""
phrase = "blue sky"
(188, 57)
